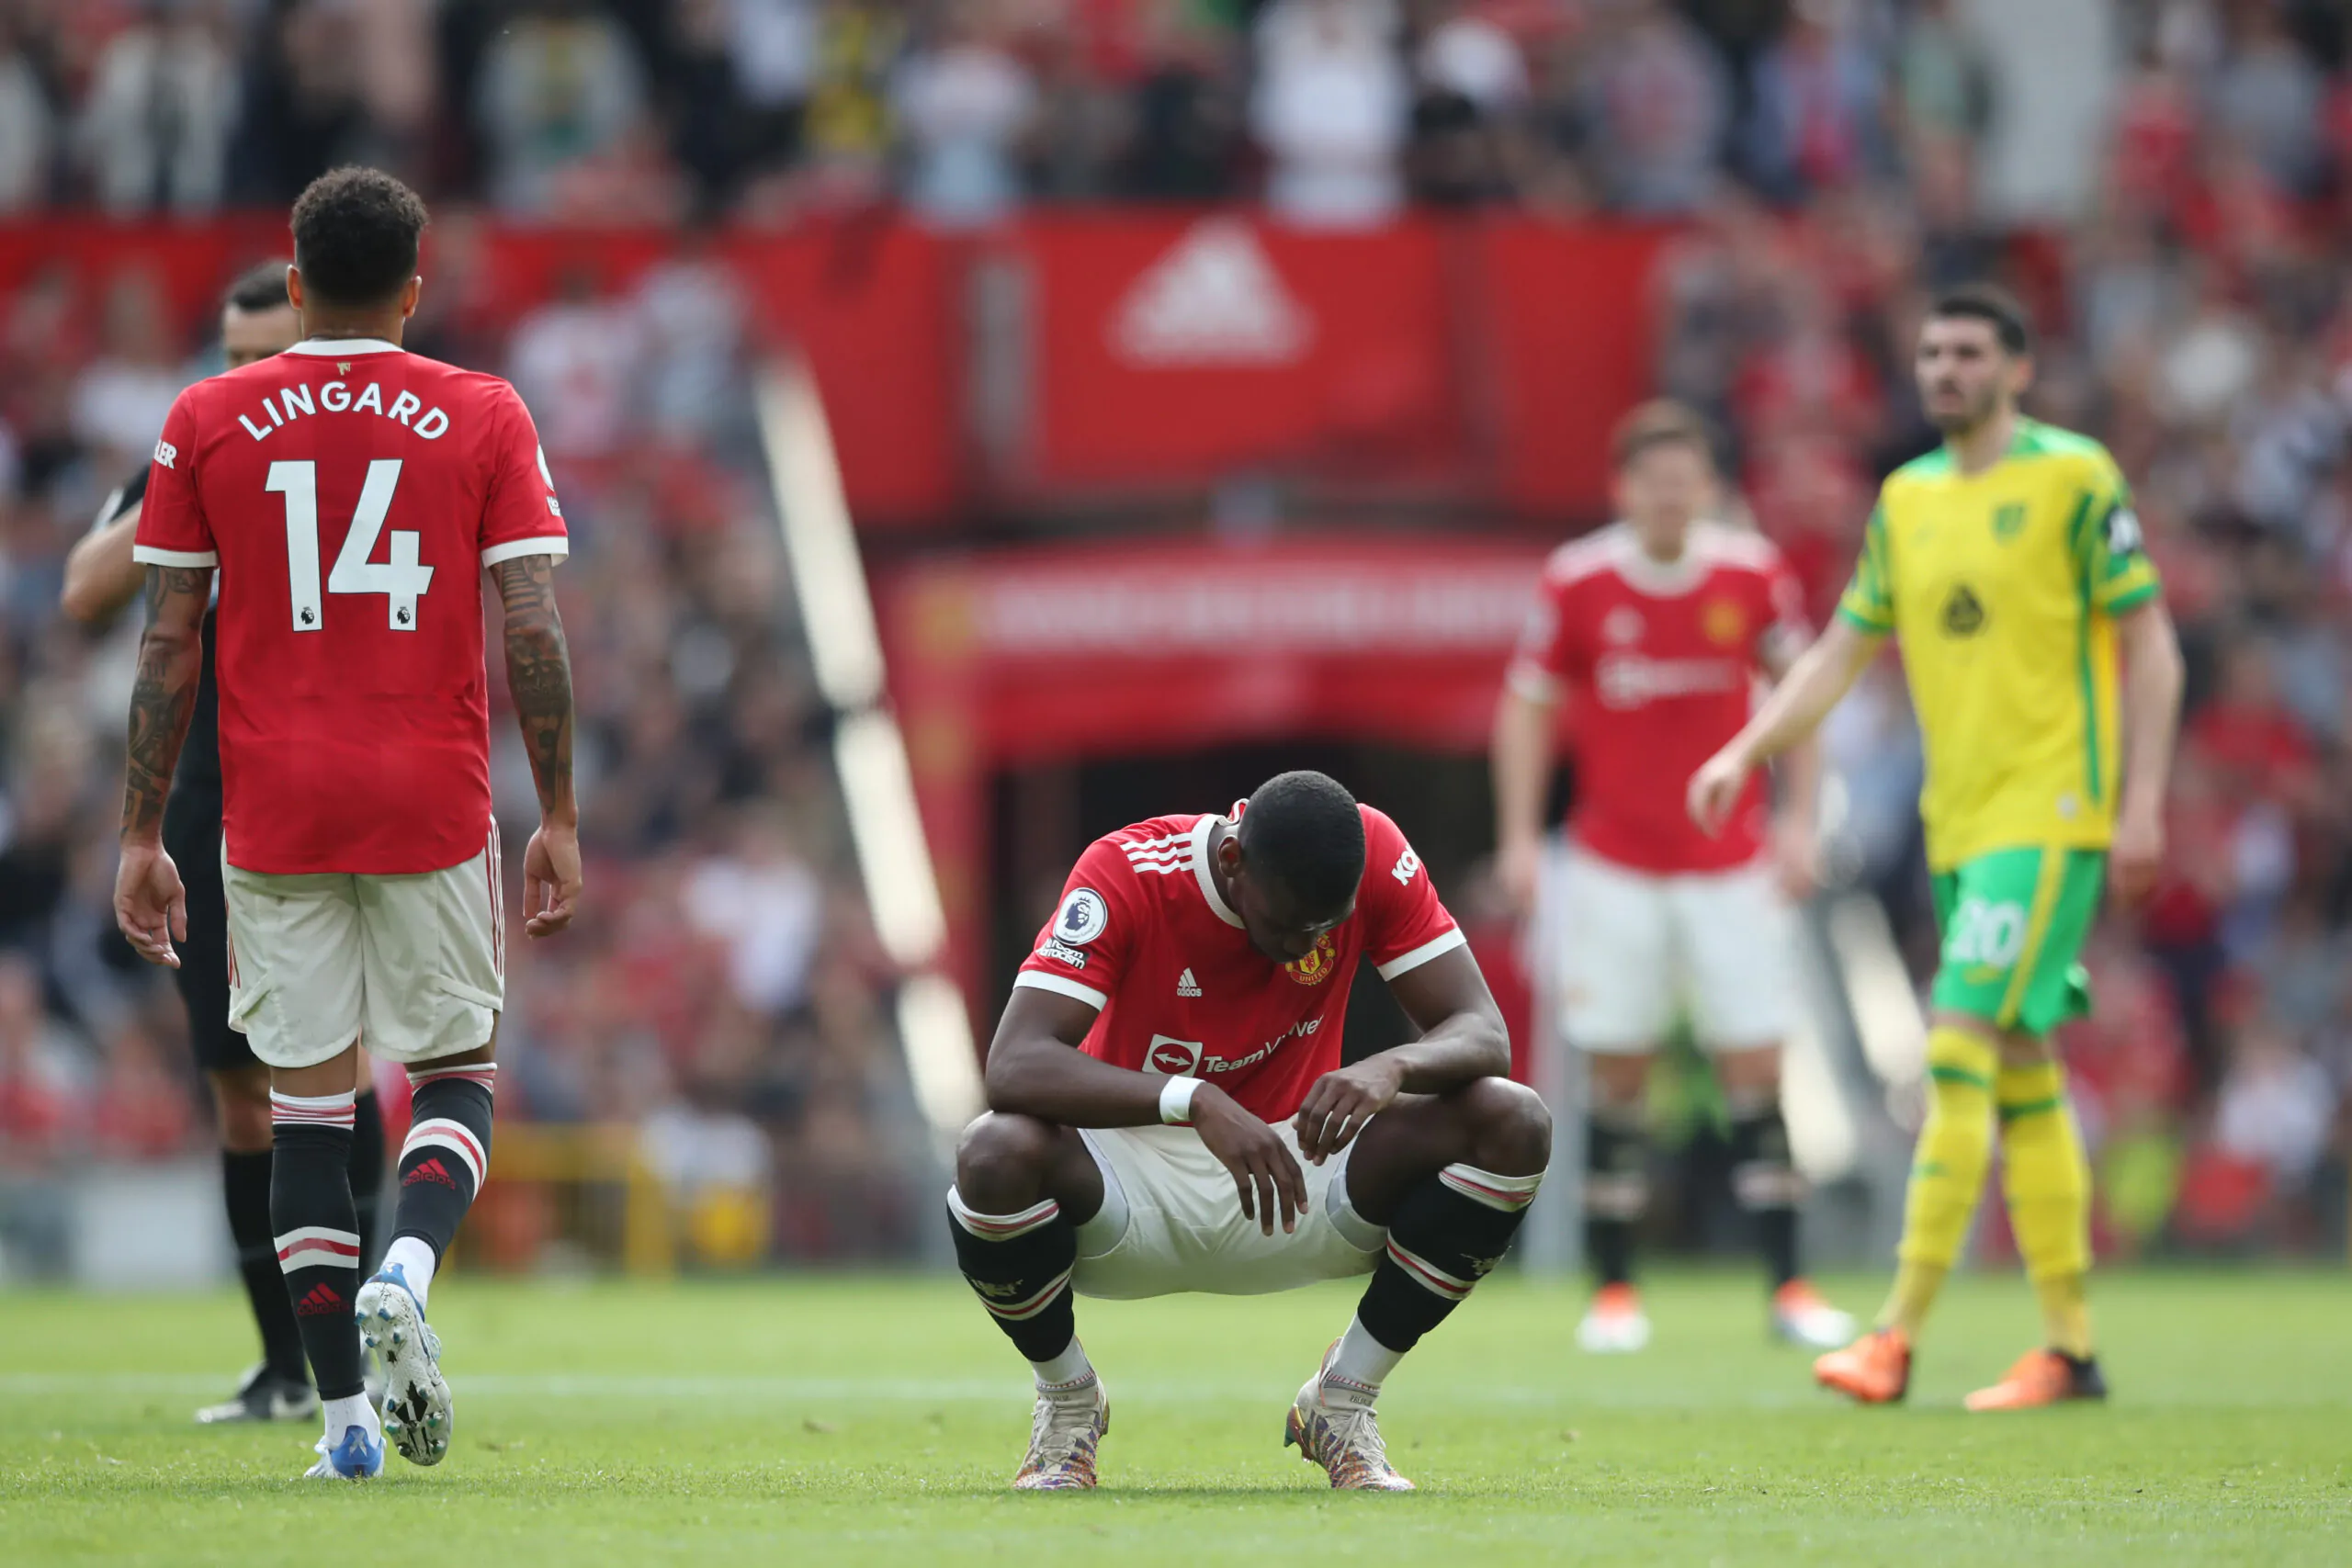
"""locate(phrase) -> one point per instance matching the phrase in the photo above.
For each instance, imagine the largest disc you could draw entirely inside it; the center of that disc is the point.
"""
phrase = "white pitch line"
(758, 1389)
(912, 1391)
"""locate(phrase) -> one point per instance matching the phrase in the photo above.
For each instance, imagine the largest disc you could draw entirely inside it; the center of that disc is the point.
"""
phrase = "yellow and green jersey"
(2002, 588)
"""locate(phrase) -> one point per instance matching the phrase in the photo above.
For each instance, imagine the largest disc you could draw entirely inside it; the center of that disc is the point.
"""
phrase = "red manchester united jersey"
(1658, 665)
(1143, 935)
(350, 494)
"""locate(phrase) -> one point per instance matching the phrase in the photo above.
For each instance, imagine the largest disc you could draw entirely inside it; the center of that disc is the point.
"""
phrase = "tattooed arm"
(149, 903)
(538, 677)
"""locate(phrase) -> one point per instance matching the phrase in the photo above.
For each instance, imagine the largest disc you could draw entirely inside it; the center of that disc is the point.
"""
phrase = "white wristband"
(1176, 1101)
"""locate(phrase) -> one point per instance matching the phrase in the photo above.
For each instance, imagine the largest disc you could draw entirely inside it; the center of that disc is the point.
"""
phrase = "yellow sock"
(1946, 1172)
(2048, 1184)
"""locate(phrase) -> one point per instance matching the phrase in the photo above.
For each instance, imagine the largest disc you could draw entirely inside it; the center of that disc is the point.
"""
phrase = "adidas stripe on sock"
(1019, 1265)
(1450, 1229)
(443, 1161)
(316, 1224)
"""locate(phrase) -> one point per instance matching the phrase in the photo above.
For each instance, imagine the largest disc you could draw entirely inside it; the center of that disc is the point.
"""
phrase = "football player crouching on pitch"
(1167, 1112)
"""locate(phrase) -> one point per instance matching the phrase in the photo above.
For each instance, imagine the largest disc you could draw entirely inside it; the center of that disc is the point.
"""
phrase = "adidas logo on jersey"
(1186, 986)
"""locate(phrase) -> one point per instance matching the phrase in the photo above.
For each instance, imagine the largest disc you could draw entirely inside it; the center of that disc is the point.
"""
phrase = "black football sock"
(447, 1156)
(317, 1232)
(368, 1176)
(1765, 1183)
(1616, 1190)
(1018, 1266)
(244, 1192)
(1450, 1229)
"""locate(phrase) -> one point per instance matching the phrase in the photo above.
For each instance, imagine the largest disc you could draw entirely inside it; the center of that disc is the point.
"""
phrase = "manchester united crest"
(1724, 623)
(1317, 967)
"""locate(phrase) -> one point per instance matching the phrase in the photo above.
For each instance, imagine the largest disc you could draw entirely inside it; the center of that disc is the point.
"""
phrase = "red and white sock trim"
(1001, 1227)
(1508, 1194)
(313, 1110)
(440, 1132)
(1428, 1275)
(1031, 1305)
(482, 1073)
(309, 1246)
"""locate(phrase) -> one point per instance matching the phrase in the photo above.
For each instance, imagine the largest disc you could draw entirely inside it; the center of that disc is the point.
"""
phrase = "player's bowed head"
(1292, 867)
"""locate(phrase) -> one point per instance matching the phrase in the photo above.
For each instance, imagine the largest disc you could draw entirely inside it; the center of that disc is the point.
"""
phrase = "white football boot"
(1802, 1317)
(263, 1396)
(1614, 1324)
(1331, 1424)
(1064, 1432)
(418, 1412)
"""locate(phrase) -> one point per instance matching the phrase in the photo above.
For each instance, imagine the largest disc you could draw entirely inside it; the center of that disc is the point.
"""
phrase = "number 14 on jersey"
(400, 578)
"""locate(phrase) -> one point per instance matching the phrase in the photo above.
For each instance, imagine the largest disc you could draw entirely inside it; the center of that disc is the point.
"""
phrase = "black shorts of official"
(192, 835)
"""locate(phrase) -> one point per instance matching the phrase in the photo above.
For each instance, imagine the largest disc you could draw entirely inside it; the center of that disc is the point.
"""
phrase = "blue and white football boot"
(357, 1458)
(418, 1412)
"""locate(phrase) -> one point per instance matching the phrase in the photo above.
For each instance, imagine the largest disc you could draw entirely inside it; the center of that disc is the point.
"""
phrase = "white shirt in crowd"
(155, 125)
(770, 912)
(576, 364)
(773, 45)
(1471, 56)
(1332, 111)
(961, 109)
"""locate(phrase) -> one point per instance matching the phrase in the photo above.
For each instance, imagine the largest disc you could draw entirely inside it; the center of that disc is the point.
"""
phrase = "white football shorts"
(412, 966)
(1171, 1222)
(1634, 944)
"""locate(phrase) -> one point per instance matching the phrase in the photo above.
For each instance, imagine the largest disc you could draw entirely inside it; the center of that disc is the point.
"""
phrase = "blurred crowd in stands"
(1823, 164)
(1337, 111)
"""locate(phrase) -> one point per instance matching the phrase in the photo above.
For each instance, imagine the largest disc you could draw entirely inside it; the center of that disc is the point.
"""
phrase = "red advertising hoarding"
(870, 304)
(1475, 359)
(1567, 319)
(1171, 350)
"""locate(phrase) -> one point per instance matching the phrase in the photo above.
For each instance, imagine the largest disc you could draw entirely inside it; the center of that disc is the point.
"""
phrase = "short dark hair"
(1303, 830)
(1992, 303)
(355, 234)
(1662, 421)
(261, 286)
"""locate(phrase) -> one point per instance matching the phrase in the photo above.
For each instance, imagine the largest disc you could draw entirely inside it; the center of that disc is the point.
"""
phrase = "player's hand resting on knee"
(1340, 1104)
(1263, 1171)
(550, 879)
(150, 905)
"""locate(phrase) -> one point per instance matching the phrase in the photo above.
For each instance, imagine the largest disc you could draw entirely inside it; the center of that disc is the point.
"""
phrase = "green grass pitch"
(876, 1420)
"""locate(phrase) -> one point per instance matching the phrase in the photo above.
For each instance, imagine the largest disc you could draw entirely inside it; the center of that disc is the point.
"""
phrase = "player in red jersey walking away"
(1167, 1112)
(350, 495)
(102, 580)
(1657, 630)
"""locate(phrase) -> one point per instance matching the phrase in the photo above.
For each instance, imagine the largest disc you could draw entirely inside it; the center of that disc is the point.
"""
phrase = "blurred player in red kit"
(1657, 630)
(350, 495)
(1167, 1112)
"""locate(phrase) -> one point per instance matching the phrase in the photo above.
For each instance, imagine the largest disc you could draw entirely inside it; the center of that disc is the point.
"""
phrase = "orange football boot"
(2039, 1378)
(1873, 1369)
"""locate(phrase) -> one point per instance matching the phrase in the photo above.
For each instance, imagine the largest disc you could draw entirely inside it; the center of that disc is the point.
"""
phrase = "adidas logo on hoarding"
(1186, 986)
(1213, 299)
